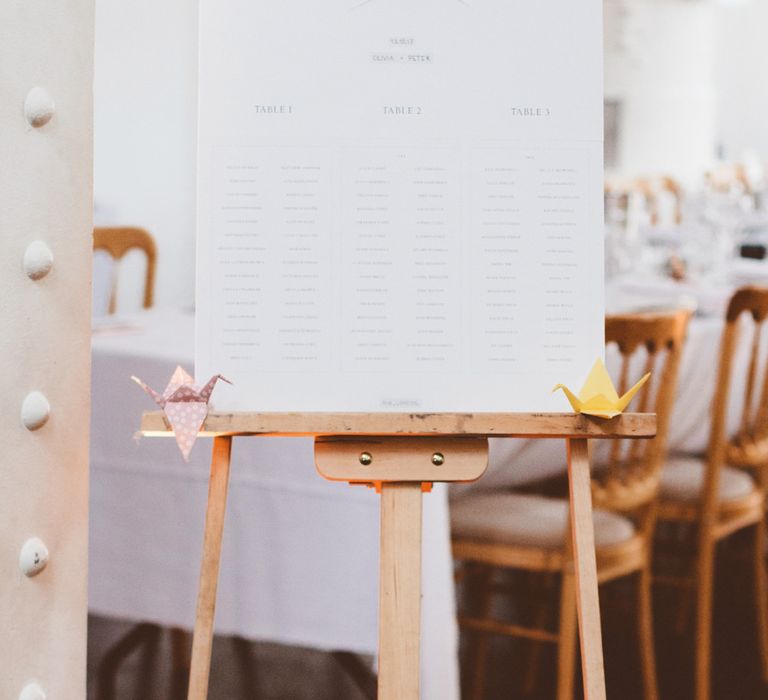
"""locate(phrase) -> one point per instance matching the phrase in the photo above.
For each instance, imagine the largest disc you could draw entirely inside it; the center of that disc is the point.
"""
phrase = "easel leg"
(585, 570)
(400, 591)
(202, 642)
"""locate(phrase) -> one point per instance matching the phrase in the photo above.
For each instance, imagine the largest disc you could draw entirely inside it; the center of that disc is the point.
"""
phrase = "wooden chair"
(117, 242)
(514, 531)
(725, 491)
(654, 189)
(729, 177)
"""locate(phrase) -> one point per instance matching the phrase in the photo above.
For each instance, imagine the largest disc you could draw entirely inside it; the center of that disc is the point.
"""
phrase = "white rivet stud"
(33, 557)
(38, 260)
(35, 410)
(38, 107)
(32, 691)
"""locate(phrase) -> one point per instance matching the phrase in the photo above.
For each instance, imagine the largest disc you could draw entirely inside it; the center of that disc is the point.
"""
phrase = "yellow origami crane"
(598, 396)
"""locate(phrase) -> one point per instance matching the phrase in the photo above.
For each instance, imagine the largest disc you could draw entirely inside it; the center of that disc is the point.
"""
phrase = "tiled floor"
(243, 670)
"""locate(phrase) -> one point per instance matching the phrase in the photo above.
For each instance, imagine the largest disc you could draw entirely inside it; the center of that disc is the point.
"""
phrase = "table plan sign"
(399, 203)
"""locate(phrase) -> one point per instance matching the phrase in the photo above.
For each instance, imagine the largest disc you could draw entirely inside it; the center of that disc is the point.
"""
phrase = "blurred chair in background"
(660, 198)
(117, 242)
(725, 491)
(729, 178)
(664, 199)
(497, 531)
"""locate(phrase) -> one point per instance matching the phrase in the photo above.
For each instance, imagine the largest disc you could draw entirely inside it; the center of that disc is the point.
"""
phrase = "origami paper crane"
(598, 396)
(185, 405)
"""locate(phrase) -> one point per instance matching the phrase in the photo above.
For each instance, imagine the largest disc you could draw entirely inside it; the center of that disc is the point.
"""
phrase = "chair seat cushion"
(682, 479)
(528, 521)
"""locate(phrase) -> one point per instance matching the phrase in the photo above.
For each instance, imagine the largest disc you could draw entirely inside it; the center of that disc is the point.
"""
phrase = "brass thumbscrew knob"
(366, 458)
(438, 459)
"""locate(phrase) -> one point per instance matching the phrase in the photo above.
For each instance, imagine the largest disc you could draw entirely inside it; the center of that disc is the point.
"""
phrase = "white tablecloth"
(300, 555)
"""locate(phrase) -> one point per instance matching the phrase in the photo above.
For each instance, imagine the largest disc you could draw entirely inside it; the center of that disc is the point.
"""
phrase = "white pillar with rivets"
(46, 54)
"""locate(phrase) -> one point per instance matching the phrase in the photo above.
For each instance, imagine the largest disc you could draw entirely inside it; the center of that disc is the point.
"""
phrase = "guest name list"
(399, 203)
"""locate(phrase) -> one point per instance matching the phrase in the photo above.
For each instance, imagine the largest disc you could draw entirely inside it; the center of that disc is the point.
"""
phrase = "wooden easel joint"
(375, 460)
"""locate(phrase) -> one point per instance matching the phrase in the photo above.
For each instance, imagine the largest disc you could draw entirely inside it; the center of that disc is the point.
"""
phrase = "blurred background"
(684, 93)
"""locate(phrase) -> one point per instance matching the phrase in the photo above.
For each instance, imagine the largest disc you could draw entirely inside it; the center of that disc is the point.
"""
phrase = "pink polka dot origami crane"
(185, 405)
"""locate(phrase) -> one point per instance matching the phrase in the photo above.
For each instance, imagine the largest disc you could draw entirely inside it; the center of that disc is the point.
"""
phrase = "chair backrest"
(653, 189)
(117, 242)
(630, 481)
(749, 446)
(729, 177)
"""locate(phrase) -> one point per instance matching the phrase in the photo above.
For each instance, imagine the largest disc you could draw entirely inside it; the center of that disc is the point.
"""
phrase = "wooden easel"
(403, 454)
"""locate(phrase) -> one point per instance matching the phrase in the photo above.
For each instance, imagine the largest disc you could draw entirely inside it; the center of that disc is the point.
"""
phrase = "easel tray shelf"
(519, 425)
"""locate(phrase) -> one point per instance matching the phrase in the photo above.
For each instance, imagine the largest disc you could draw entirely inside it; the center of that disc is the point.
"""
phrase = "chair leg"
(106, 673)
(355, 667)
(704, 590)
(181, 644)
(481, 640)
(540, 621)
(146, 673)
(680, 535)
(683, 616)
(645, 630)
(566, 643)
(761, 593)
(243, 652)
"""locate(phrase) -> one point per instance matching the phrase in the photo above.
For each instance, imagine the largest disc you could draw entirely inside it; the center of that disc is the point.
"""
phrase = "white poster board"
(399, 203)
